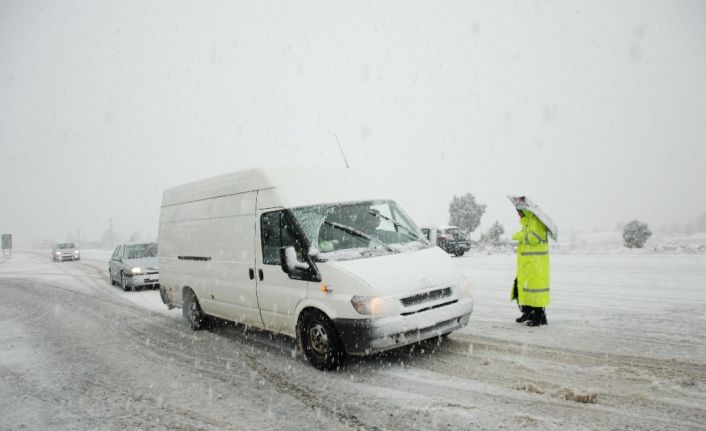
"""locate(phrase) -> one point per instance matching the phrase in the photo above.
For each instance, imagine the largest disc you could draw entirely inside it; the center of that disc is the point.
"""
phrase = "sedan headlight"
(375, 305)
(136, 270)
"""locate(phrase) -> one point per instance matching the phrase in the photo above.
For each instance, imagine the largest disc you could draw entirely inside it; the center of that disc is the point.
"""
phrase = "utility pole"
(111, 232)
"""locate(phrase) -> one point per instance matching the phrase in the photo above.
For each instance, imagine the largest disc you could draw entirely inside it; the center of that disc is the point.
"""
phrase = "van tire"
(192, 311)
(163, 295)
(319, 341)
(459, 253)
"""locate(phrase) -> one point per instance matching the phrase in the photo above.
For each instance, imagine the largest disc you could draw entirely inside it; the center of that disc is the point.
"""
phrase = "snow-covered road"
(624, 349)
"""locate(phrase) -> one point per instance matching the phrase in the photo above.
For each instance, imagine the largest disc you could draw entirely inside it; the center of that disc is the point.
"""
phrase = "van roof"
(291, 187)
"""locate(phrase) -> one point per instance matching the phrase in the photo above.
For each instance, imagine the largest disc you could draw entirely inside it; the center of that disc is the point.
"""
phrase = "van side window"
(276, 232)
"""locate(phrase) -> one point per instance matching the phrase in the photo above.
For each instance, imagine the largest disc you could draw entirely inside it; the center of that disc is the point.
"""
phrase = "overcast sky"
(595, 110)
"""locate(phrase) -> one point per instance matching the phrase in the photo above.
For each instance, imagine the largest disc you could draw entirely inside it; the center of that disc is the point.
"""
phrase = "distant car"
(65, 251)
(451, 239)
(134, 265)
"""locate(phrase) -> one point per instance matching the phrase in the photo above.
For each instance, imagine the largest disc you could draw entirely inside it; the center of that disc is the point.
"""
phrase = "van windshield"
(358, 229)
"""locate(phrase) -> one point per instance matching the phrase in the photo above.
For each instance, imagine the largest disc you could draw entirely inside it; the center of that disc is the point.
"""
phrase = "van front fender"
(312, 303)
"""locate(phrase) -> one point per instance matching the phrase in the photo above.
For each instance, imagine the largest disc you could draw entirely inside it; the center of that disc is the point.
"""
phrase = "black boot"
(525, 314)
(535, 317)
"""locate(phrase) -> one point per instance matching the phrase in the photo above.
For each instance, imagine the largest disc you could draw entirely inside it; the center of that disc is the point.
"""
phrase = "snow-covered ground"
(624, 349)
(643, 305)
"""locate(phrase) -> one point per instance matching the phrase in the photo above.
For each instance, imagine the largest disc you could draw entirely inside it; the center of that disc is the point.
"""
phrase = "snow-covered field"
(624, 349)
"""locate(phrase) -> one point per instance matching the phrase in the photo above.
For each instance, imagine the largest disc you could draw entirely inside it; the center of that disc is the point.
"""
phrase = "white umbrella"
(522, 203)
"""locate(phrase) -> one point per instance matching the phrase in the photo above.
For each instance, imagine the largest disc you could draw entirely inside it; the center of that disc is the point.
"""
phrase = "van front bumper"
(371, 335)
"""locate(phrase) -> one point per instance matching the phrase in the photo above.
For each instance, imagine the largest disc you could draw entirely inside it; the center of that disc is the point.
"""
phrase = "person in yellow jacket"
(531, 287)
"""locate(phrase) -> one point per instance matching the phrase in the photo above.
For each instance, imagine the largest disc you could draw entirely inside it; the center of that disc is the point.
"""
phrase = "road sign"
(6, 241)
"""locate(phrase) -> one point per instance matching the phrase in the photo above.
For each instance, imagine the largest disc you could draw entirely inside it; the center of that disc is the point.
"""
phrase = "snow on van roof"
(287, 187)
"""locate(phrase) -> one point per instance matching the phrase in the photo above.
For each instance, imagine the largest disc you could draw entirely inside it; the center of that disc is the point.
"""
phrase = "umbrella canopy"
(522, 203)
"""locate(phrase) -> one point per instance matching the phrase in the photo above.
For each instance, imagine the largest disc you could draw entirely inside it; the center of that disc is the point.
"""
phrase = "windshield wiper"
(410, 233)
(355, 232)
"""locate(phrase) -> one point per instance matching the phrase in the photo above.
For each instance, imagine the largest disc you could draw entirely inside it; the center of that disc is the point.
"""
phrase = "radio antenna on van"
(341, 148)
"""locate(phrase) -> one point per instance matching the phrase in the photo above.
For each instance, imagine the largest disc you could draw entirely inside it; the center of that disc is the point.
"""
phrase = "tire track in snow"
(96, 380)
(554, 371)
(216, 365)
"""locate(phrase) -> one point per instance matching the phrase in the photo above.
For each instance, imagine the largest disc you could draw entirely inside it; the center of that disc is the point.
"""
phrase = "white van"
(308, 253)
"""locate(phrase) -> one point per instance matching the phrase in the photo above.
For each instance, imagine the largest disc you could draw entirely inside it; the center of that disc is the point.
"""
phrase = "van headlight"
(136, 270)
(57, 252)
(464, 287)
(375, 305)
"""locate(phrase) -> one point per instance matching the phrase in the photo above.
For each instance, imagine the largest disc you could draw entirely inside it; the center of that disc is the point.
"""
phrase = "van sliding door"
(228, 242)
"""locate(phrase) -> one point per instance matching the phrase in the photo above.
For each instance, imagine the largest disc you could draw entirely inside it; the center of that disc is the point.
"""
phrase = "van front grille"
(421, 298)
(423, 332)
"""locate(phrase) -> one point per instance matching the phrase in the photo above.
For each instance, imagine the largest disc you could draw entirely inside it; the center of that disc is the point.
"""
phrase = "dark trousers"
(528, 312)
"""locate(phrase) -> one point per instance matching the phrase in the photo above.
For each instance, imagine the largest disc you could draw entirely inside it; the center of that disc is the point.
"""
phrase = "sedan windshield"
(141, 250)
(358, 229)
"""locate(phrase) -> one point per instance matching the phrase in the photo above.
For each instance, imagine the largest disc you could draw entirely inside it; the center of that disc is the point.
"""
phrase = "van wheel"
(459, 253)
(163, 295)
(319, 340)
(110, 277)
(192, 311)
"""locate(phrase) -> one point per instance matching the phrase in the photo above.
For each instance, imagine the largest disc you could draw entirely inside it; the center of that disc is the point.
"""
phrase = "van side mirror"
(288, 260)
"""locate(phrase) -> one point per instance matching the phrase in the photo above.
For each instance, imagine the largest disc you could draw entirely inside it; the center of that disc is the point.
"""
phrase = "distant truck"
(451, 239)
(313, 254)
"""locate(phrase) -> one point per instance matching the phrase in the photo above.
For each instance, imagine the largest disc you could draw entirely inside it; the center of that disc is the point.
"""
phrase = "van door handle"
(251, 272)
(260, 274)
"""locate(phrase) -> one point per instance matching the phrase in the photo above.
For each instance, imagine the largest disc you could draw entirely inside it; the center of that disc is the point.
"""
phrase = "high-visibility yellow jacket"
(532, 262)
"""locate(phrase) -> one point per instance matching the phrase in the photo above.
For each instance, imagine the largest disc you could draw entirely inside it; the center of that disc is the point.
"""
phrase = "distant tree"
(465, 212)
(635, 234)
(493, 234)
